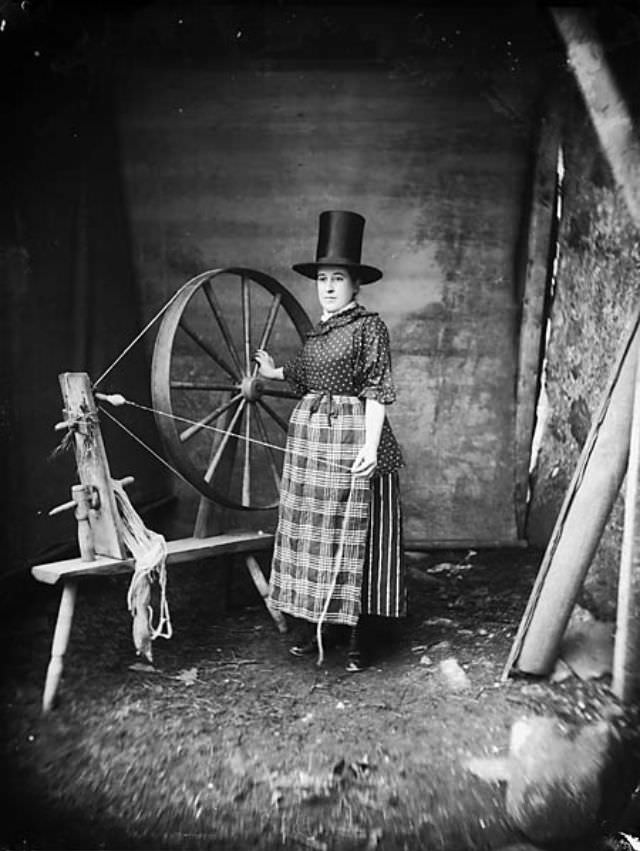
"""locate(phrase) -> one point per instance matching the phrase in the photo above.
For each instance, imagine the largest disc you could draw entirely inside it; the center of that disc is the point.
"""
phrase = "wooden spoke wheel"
(226, 424)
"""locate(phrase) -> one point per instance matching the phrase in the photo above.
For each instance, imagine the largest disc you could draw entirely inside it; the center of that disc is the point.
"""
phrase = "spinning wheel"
(222, 423)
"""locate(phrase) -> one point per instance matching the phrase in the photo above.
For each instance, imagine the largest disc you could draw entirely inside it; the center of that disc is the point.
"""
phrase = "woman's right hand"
(266, 364)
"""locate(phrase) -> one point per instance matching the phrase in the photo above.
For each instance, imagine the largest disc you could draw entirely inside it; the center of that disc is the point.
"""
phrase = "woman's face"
(336, 288)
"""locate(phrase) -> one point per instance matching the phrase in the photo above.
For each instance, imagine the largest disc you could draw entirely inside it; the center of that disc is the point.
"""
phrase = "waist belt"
(316, 401)
(317, 398)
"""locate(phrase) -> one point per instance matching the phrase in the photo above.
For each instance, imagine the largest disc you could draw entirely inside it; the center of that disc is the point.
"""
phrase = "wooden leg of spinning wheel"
(261, 584)
(210, 519)
(60, 643)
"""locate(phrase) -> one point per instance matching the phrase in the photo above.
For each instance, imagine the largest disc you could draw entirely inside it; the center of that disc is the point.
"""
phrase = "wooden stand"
(100, 542)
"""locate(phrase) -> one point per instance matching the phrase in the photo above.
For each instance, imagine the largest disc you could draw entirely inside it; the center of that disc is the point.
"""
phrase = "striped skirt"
(384, 590)
(338, 544)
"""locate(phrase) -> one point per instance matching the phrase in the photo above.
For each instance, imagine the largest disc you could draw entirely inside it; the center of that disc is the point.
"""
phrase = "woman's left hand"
(366, 463)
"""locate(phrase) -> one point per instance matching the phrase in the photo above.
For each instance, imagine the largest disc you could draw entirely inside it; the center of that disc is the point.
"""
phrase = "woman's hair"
(355, 281)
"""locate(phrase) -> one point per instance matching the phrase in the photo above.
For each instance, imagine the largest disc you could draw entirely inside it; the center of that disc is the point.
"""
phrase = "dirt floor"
(230, 742)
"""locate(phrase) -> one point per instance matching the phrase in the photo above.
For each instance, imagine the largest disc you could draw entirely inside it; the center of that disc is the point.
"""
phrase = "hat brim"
(365, 274)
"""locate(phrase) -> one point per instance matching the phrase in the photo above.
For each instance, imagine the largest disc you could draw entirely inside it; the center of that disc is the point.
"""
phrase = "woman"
(338, 544)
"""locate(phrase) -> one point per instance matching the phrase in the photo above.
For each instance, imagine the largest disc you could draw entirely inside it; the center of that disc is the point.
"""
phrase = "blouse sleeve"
(375, 362)
(294, 373)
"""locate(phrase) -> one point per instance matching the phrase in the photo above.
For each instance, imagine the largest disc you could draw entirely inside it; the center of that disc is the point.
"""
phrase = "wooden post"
(626, 655)
(81, 496)
(263, 589)
(211, 518)
(60, 643)
(536, 278)
(91, 459)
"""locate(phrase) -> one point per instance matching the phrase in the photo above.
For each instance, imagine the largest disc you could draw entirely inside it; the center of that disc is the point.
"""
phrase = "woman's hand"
(266, 364)
(366, 462)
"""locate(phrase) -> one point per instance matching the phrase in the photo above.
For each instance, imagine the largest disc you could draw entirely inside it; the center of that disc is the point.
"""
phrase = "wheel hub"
(252, 388)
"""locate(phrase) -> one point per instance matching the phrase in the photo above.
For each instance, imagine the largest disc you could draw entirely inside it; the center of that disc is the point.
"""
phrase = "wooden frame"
(100, 541)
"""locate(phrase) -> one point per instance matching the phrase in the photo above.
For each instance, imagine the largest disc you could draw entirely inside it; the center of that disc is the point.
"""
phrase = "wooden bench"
(180, 551)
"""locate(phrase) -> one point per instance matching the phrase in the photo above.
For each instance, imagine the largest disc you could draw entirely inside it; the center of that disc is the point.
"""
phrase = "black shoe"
(356, 661)
(308, 644)
(306, 649)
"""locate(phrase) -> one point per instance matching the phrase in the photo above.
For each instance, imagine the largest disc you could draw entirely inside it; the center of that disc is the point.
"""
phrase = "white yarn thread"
(149, 550)
(337, 563)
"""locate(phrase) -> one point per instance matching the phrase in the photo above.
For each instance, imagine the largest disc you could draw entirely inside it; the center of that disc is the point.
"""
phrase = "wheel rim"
(202, 371)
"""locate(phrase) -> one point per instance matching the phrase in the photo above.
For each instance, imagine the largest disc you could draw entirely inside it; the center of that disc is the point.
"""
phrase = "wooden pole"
(604, 102)
(593, 489)
(263, 589)
(626, 654)
(68, 598)
(536, 277)
(60, 643)
(91, 459)
(82, 499)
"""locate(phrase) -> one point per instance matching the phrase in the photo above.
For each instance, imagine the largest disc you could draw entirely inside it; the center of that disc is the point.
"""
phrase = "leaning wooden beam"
(626, 655)
(604, 102)
(581, 521)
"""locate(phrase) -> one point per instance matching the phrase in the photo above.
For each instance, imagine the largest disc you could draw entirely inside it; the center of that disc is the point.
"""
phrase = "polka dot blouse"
(349, 354)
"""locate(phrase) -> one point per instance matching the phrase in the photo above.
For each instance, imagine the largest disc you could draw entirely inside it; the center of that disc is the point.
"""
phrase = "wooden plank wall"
(231, 165)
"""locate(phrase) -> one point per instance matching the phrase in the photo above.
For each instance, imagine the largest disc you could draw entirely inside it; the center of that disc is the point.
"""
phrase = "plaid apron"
(323, 509)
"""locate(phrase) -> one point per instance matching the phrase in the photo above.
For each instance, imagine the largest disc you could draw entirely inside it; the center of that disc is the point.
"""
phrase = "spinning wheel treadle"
(203, 371)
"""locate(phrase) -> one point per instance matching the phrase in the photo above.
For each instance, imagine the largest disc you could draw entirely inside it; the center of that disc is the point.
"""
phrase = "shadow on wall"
(73, 303)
